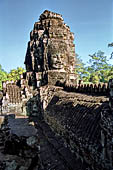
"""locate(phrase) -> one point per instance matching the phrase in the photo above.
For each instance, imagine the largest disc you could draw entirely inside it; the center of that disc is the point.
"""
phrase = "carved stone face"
(56, 62)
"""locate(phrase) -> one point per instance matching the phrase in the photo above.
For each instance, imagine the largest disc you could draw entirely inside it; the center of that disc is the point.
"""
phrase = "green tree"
(3, 76)
(110, 73)
(80, 69)
(111, 45)
(14, 74)
(99, 68)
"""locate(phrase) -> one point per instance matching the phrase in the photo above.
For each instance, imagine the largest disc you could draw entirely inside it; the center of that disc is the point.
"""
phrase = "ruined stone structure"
(51, 51)
(72, 124)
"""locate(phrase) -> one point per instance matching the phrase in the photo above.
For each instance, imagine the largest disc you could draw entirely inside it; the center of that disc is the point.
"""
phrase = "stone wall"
(99, 89)
(107, 129)
(77, 118)
(11, 99)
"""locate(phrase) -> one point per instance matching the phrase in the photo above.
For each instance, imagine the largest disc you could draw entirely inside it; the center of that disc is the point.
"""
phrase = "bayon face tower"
(50, 55)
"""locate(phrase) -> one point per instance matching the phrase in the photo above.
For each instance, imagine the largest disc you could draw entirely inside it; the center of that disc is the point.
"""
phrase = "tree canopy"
(111, 45)
(98, 69)
(3, 76)
(14, 74)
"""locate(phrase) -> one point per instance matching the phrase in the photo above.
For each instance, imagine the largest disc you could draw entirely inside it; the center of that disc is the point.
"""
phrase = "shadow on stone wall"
(79, 124)
(34, 108)
(100, 89)
(56, 136)
(76, 119)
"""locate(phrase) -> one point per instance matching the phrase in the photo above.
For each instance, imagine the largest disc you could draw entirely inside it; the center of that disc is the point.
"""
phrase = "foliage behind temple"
(98, 70)
(13, 75)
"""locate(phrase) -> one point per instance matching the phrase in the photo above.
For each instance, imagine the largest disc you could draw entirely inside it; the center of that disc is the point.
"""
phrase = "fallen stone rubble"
(19, 144)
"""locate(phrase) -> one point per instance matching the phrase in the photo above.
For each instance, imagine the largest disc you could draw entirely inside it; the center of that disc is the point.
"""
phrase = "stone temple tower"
(50, 55)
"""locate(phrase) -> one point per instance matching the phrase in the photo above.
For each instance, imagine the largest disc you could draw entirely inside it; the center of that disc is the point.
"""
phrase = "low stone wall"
(77, 119)
(98, 89)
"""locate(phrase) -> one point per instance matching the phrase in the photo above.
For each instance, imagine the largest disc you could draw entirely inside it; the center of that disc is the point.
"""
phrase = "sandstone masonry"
(51, 51)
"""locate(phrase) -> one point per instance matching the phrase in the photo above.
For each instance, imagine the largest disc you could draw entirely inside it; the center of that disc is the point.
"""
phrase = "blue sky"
(90, 20)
